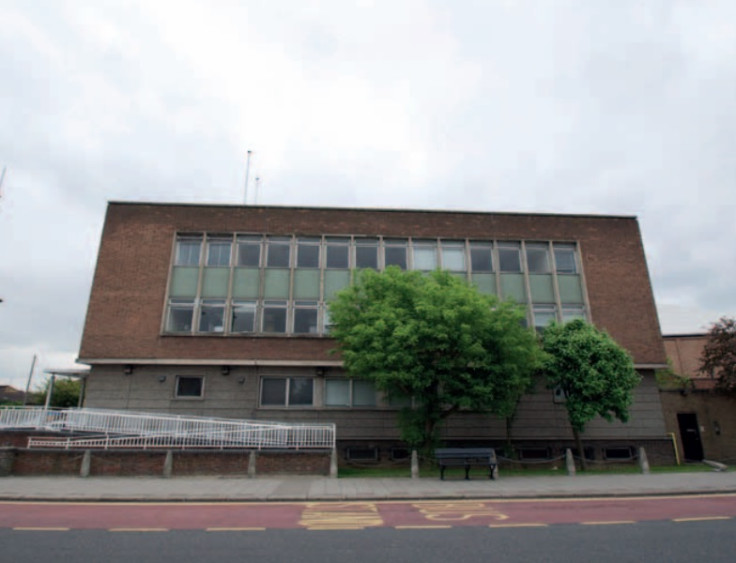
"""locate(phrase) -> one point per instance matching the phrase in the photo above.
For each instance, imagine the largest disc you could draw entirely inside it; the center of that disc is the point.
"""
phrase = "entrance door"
(690, 435)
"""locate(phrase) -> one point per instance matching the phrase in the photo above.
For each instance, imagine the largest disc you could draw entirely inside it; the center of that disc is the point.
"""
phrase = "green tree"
(433, 338)
(719, 354)
(595, 374)
(65, 394)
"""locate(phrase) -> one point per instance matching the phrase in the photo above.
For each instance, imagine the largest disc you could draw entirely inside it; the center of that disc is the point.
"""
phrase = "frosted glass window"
(306, 284)
(337, 392)
(453, 257)
(425, 256)
(184, 281)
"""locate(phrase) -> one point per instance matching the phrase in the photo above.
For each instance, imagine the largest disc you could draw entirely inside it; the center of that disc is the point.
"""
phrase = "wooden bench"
(465, 457)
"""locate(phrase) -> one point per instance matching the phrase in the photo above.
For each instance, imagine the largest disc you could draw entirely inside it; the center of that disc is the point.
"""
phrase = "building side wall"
(538, 416)
(684, 354)
(128, 295)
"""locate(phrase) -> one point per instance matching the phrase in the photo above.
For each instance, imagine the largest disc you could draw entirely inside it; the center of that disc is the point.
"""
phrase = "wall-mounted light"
(716, 428)
(241, 380)
(161, 378)
(320, 371)
(225, 370)
(127, 369)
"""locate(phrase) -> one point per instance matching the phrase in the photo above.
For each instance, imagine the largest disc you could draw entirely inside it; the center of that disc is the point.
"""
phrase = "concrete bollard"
(414, 465)
(569, 462)
(333, 463)
(86, 463)
(168, 464)
(252, 464)
(643, 461)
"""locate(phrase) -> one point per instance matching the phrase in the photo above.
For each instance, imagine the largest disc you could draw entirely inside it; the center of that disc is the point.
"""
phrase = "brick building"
(220, 310)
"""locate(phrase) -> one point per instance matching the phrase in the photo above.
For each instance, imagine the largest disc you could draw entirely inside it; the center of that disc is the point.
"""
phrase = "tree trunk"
(581, 452)
(509, 448)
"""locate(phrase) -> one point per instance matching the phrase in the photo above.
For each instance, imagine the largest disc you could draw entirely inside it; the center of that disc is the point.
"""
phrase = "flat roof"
(372, 209)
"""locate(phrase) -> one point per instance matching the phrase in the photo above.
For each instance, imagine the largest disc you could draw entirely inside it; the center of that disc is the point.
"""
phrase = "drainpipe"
(674, 445)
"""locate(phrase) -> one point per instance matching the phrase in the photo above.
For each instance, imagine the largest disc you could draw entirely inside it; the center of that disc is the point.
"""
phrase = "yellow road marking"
(235, 529)
(422, 527)
(138, 530)
(701, 518)
(336, 527)
(527, 525)
(608, 522)
(39, 529)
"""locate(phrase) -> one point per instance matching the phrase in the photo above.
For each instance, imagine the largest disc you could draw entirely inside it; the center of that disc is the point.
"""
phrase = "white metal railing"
(125, 429)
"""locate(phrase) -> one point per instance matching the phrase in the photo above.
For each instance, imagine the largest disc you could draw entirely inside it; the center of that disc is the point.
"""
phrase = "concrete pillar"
(168, 464)
(86, 463)
(414, 465)
(643, 461)
(333, 463)
(7, 458)
(252, 464)
(569, 462)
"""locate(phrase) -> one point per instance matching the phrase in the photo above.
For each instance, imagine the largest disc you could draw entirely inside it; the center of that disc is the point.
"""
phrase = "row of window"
(295, 392)
(342, 253)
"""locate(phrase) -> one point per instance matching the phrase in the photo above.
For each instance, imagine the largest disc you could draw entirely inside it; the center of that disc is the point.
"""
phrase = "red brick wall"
(127, 300)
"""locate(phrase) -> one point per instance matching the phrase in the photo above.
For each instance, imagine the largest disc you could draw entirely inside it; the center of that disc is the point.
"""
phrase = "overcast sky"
(609, 107)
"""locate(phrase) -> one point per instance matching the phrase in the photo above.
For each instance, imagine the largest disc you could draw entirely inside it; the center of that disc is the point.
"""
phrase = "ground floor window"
(189, 387)
(287, 391)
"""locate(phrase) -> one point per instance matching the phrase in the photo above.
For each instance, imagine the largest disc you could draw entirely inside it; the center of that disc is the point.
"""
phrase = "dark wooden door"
(690, 435)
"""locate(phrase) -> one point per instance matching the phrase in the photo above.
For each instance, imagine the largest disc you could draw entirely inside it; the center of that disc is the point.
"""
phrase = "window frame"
(186, 397)
(287, 392)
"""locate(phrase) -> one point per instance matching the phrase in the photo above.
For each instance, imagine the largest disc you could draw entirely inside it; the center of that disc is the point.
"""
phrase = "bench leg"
(467, 473)
(442, 472)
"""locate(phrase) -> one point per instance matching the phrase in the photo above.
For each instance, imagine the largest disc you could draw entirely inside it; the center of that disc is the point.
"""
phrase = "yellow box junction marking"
(458, 511)
(340, 516)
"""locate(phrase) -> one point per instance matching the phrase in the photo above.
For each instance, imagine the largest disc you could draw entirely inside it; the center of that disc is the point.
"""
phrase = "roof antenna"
(247, 174)
(258, 185)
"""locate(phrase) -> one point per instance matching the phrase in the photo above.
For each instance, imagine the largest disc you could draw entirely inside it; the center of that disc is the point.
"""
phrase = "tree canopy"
(65, 393)
(433, 338)
(595, 374)
(719, 354)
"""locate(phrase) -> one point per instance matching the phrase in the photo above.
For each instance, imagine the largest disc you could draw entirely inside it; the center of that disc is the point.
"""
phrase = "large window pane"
(243, 316)
(480, 257)
(366, 253)
(537, 258)
(188, 251)
(184, 281)
(249, 251)
(276, 284)
(274, 317)
(364, 394)
(273, 391)
(305, 319)
(306, 284)
(212, 316)
(300, 391)
(335, 280)
(218, 252)
(180, 315)
(395, 253)
(508, 258)
(572, 313)
(279, 251)
(543, 316)
(307, 254)
(453, 257)
(246, 283)
(337, 392)
(565, 262)
(337, 251)
(425, 256)
(214, 282)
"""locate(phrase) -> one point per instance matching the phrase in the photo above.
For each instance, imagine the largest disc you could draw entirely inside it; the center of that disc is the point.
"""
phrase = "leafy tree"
(595, 374)
(434, 338)
(65, 394)
(719, 354)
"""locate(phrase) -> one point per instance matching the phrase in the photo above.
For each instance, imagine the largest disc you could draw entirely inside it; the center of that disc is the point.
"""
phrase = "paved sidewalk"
(290, 488)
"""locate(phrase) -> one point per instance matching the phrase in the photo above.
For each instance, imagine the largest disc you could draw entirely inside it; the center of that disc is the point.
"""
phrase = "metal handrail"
(126, 429)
